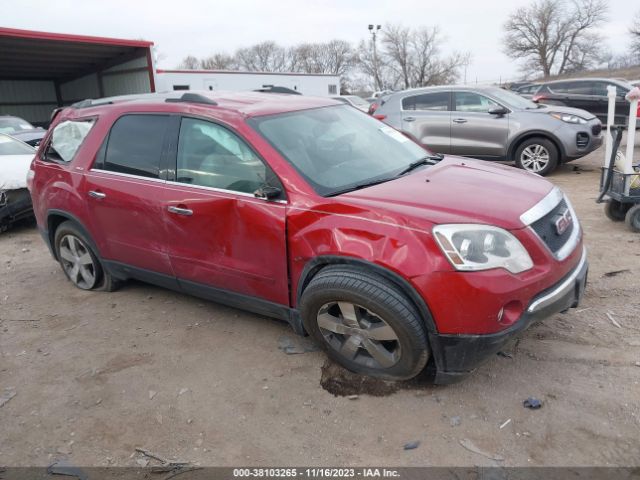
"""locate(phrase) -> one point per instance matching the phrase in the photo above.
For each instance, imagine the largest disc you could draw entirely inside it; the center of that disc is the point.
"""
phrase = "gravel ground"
(96, 375)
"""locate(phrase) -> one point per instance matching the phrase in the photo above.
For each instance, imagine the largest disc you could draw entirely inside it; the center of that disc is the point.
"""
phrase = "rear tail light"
(372, 108)
(537, 98)
(379, 116)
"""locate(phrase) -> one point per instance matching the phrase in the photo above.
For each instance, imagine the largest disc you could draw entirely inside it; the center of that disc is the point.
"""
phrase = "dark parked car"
(21, 129)
(588, 94)
(308, 210)
(527, 91)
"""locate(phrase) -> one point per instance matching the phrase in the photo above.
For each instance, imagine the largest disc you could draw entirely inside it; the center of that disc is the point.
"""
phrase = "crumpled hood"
(457, 190)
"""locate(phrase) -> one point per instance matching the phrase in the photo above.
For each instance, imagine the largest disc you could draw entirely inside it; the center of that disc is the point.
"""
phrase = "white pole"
(608, 140)
(633, 97)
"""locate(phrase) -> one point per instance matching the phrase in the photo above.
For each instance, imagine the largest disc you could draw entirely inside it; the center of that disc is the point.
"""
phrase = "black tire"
(615, 210)
(632, 219)
(535, 165)
(69, 237)
(376, 303)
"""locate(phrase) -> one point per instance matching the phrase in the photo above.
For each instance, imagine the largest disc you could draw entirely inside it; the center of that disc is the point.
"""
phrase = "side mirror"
(499, 111)
(267, 192)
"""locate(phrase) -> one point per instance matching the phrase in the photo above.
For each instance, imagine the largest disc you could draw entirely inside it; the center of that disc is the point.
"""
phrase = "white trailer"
(307, 84)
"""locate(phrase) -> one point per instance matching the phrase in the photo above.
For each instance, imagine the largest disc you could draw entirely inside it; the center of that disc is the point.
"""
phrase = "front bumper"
(455, 356)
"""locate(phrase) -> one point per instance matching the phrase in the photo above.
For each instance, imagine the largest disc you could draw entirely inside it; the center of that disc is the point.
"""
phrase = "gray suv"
(493, 124)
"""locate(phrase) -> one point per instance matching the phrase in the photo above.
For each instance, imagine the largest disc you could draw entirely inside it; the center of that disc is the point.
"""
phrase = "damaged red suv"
(310, 211)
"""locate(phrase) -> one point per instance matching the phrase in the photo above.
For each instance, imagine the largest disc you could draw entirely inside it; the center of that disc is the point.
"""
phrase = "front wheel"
(537, 155)
(632, 219)
(615, 210)
(365, 323)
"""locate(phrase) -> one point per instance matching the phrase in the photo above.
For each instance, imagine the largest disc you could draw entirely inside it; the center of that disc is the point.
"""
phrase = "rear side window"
(561, 87)
(66, 139)
(438, 101)
(135, 145)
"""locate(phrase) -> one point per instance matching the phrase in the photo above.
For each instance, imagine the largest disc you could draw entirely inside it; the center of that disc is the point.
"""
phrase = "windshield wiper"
(426, 160)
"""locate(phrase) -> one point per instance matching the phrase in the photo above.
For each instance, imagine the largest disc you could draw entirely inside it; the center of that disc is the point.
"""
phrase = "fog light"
(510, 313)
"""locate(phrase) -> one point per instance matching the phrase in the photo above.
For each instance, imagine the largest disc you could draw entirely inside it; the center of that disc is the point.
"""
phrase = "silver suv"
(493, 124)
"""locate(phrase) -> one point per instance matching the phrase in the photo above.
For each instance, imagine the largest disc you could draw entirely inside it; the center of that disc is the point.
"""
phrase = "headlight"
(471, 247)
(568, 117)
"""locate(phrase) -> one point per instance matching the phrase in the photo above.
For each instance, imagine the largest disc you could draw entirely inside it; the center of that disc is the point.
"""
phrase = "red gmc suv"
(310, 211)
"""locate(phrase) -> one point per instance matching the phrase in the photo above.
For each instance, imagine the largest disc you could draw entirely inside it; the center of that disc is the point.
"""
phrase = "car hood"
(557, 108)
(13, 171)
(457, 190)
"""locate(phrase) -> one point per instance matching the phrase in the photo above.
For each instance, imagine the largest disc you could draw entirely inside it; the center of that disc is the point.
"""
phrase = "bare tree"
(263, 57)
(415, 58)
(635, 35)
(189, 63)
(219, 61)
(554, 36)
(373, 66)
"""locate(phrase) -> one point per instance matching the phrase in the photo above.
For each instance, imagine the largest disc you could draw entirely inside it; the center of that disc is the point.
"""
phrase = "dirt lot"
(98, 374)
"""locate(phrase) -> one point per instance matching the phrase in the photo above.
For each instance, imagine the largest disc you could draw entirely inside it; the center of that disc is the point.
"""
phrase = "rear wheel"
(365, 323)
(632, 219)
(79, 262)
(615, 210)
(537, 155)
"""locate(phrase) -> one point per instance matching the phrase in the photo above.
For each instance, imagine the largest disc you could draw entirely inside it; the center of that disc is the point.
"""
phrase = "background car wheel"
(79, 263)
(632, 219)
(365, 323)
(537, 155)
(615, 210)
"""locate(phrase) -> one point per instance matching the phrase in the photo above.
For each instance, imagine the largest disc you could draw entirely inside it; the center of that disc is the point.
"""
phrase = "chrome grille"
(545, 227)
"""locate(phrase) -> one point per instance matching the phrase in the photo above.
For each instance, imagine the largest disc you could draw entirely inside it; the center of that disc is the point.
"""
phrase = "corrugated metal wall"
(34, 100)
(25, 92)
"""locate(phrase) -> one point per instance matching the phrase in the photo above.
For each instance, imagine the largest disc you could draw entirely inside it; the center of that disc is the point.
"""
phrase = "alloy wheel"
(358, 334)
(534, 158)
(77, 262)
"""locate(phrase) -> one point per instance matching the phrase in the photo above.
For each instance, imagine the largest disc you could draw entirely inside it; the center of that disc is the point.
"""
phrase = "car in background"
(635, 83)
(527, 91)
(307, 210)
(21, 129)
(491, 123)
(15, 160)
(354, 100)
(588, 94)
(516, 85)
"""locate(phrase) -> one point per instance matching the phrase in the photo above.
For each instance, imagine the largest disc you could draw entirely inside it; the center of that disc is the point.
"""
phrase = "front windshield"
(11, 146)
(12, 125)
(339, 148)
(512, 99)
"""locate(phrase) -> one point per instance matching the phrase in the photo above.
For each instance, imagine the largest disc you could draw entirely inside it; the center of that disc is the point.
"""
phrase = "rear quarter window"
(66, 139)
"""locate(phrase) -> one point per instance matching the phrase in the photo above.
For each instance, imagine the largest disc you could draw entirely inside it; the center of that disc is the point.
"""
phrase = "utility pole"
(376, 73)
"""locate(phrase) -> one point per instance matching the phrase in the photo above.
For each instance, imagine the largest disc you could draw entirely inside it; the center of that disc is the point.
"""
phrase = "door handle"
(409, 119)
(96, 194)
(459, 120)
(180, 211)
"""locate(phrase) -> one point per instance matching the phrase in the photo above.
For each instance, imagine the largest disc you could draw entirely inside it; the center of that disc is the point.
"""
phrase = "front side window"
(338, 148)
(473, 102)
(210, 155)
(66, 139)
(135, 145)
(438, 101)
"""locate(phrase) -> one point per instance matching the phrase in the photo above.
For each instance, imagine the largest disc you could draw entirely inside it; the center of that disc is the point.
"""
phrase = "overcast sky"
(200, 27)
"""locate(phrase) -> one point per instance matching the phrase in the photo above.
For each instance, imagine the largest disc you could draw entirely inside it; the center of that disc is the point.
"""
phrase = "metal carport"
(40, 71)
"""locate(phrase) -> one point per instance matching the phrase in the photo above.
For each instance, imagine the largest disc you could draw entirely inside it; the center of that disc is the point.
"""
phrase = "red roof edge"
(64, 37)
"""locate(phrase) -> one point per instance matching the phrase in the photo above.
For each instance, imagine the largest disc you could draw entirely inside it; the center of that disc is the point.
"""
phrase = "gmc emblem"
(562, 221)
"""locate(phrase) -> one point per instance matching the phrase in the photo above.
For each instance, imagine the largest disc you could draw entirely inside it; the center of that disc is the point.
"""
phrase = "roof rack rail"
(192, 98)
